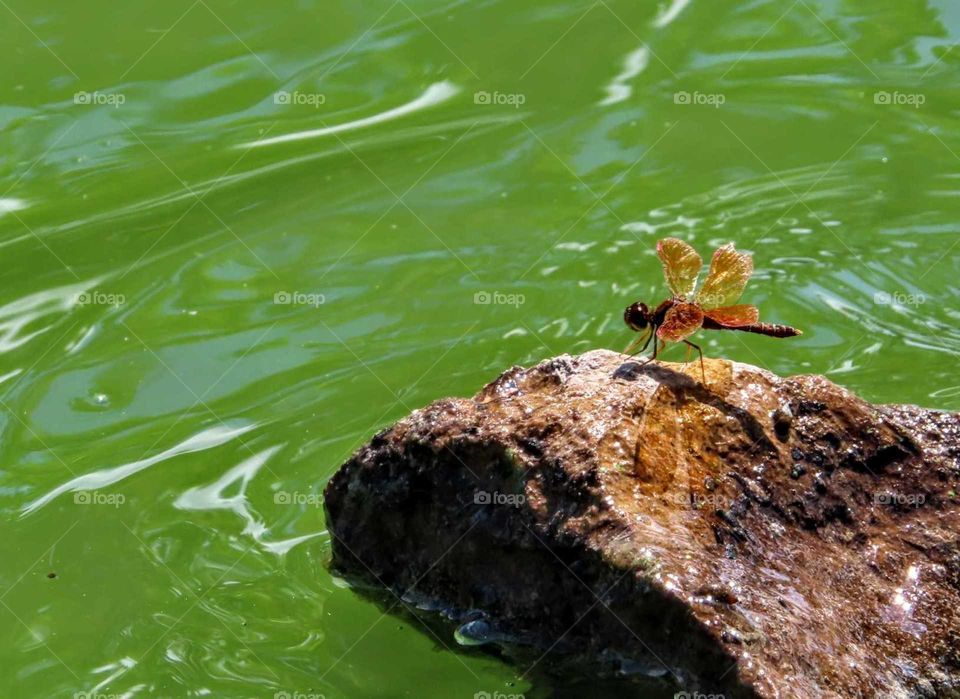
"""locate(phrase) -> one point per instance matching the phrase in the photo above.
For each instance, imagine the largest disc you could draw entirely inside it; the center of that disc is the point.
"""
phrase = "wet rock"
(756, 536)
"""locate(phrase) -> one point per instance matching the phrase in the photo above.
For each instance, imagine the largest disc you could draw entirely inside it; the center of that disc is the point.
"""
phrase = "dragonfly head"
(637, 316)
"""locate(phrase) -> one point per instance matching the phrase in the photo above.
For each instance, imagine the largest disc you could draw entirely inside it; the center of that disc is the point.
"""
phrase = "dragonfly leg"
(656, 342)
(703, 374)
(631, 349)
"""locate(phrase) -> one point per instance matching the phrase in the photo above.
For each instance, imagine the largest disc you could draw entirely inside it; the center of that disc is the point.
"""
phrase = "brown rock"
(754, 536)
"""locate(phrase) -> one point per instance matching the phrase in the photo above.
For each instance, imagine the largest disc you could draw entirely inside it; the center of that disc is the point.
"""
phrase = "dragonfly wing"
(734, 316)
(729, 272)
(682, 319)
(681, 266)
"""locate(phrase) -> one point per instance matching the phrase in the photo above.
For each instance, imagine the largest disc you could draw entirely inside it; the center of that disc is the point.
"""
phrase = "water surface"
(241, 237)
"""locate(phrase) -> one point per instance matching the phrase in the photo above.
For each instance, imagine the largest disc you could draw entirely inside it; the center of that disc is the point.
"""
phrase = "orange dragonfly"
(712, 307)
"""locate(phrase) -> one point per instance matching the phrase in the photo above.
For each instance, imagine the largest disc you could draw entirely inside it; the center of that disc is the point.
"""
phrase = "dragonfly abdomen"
(770, 330)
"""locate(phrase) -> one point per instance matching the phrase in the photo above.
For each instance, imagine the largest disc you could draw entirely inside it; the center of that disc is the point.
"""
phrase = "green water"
(169, 423)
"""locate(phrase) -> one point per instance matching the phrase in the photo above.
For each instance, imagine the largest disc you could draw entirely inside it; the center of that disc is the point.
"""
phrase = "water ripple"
(435, 94)
(207, 439)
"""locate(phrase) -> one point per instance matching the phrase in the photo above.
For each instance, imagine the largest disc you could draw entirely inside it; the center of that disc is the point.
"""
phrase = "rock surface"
(753, 536)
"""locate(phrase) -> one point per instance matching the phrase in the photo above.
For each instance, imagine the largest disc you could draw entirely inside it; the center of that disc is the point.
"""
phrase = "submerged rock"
(753, 536)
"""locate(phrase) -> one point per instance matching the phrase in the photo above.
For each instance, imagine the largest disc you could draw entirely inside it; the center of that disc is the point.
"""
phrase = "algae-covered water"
(240, 237)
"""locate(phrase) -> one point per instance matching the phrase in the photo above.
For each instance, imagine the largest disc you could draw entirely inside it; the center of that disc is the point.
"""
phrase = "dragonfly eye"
(636, 316)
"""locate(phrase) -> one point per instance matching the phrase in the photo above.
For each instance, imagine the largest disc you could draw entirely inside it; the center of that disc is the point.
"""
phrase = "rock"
(756, 536)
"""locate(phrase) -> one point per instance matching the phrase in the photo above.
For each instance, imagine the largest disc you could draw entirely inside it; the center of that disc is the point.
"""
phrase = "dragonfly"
(713, 307)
